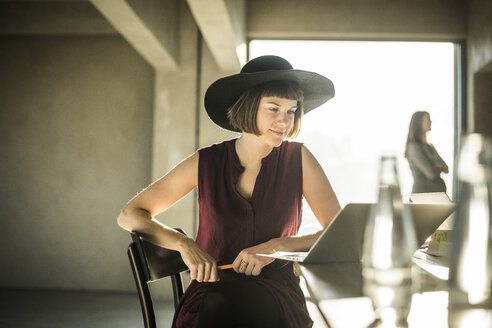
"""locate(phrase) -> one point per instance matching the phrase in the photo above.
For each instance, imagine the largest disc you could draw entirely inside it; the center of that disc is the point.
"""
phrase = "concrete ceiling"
(143, 25)
(150, 26)
(222, 24)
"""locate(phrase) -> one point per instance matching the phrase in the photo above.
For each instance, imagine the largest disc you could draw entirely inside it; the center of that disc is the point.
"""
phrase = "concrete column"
(479, 67)
(174, 120)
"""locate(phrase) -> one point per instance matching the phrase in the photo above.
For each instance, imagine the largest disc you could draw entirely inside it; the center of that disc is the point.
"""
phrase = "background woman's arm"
(440, 163)
(416, 155)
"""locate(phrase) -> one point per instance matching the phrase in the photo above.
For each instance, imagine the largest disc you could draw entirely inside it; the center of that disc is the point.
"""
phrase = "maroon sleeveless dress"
(228, 223)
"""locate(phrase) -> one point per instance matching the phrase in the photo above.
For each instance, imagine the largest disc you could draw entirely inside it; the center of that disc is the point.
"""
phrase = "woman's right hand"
(203, 267)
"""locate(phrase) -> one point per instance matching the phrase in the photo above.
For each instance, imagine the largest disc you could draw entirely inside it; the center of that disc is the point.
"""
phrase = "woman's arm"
(416, 155)
(138, 216)
(317, 190)
(439, 162)
(321, 199)
(324, 204)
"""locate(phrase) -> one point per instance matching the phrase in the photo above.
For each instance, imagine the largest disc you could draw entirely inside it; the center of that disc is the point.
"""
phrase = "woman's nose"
(283, 117)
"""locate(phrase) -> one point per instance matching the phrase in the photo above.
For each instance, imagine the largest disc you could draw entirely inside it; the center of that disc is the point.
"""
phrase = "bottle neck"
(387, 173)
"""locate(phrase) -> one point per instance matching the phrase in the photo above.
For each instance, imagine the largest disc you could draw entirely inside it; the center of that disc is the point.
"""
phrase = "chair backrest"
(150, 262)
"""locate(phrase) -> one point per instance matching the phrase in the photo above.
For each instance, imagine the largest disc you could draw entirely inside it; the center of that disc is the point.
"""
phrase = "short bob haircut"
(242, 115)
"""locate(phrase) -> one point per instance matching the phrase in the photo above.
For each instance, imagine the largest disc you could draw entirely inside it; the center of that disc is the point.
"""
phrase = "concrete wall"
(75, 138)
(209, 132)
(375, 19)
(479, 65)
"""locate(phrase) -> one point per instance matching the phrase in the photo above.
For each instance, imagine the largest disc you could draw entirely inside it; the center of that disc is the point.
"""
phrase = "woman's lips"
(280, 134)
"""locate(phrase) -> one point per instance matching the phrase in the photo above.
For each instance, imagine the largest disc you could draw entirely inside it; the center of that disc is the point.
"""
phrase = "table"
(336, 289)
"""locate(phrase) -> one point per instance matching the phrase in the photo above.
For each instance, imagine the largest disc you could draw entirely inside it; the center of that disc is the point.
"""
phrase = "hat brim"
(224, 92)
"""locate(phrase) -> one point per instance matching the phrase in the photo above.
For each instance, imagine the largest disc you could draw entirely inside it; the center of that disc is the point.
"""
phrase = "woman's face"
(275, 119)
(426, 123)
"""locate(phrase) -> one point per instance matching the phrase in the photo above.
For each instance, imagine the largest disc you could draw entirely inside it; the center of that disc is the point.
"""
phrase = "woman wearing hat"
(250, 200)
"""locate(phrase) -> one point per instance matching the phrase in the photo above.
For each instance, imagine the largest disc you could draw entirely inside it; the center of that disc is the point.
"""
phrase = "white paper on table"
(289, 256)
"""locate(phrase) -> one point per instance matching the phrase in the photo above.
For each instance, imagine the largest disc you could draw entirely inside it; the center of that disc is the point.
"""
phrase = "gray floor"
(21, 308)
(56, 309)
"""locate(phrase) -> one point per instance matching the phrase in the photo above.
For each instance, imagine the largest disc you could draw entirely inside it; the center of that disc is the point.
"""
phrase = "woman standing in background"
(425, 163)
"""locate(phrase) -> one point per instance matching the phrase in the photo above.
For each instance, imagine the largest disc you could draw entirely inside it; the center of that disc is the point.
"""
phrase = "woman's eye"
(273, 109)
(291, 112)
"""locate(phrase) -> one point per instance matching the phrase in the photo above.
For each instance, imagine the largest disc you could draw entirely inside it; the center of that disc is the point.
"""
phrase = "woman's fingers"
(237, 262)
(200, 273)
(256, 270)
(250, 265)
(203, 267)
(204, 272)
(207, 271)
(241, 262)
(249, 269)
(214, 274)
(210, 273)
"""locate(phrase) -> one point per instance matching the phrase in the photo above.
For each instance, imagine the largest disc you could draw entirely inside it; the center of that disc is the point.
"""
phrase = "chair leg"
(177, 285)
(142, 288)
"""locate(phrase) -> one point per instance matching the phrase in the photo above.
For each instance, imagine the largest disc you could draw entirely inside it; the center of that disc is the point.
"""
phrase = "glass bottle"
(470, 267)
(389, 244)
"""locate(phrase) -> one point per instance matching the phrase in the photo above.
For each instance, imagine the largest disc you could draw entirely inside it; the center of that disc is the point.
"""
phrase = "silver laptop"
(342, 240)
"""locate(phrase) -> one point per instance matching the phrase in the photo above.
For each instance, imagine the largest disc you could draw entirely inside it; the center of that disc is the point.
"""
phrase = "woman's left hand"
(248, 263)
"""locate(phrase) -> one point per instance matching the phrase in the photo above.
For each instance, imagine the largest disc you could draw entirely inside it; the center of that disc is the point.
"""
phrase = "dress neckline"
(239, 169)
(264, 160)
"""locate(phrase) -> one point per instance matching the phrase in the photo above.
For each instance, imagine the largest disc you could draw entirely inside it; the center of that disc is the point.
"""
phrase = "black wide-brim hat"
(224, 92)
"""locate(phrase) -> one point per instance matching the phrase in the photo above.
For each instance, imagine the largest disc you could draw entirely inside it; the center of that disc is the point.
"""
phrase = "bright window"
(378, 86)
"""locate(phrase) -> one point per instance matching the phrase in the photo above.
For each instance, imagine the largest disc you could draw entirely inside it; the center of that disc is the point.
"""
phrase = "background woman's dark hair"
(242, 115)
(416, 131)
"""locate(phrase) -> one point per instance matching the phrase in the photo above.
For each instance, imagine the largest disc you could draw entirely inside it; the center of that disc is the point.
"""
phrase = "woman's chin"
(277, 142)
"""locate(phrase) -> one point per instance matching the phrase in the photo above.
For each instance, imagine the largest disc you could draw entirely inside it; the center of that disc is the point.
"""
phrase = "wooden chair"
(150, 262)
